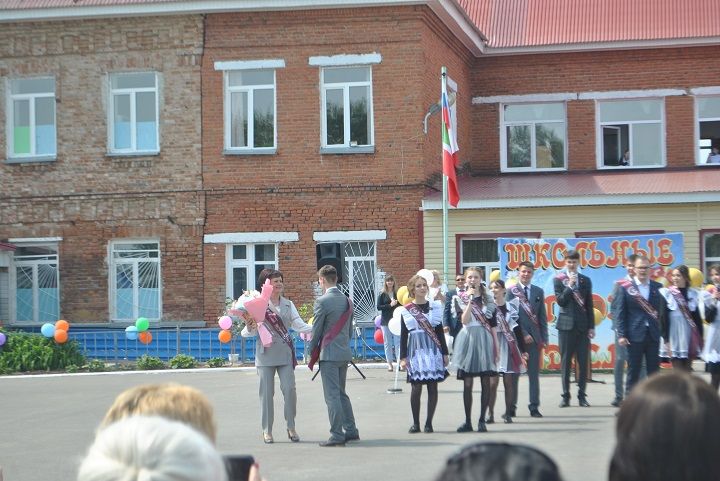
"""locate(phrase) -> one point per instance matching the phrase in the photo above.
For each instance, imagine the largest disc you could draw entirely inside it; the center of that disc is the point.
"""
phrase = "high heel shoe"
(267, 438)
(293, 436)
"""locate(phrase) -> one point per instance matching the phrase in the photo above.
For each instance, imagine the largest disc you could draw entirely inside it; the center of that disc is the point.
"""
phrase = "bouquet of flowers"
(251, 307)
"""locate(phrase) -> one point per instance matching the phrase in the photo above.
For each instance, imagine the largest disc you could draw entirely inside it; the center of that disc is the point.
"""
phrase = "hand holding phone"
(238, 466)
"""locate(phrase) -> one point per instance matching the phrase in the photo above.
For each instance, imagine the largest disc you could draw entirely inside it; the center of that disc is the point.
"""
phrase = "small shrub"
(183, 361)
(25, 352)
(216, 362)
(149, 363)
(96, 365)
(72, 368)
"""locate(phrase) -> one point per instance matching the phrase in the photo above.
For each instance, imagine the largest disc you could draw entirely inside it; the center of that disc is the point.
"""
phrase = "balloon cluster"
(225, 335)
(58, 331)
(139, 331)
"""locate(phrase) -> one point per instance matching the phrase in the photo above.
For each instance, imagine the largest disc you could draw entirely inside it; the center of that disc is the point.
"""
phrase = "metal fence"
(112, 345)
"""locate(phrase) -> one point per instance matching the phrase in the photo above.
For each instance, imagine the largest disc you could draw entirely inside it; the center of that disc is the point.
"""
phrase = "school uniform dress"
(424, 357)
(474, 350)
(711, 349)
(679, 330)
(511, 344)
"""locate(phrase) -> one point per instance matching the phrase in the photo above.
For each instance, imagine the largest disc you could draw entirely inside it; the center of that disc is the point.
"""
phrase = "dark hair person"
(667, 430)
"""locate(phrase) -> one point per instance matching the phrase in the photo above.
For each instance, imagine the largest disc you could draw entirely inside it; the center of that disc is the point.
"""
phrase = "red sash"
(633, 291)
(478, 314)
(510, 338)
(695, 341)
(520, 294)
(563, 277)
(278, 326)
(329, 336)
(423, 322)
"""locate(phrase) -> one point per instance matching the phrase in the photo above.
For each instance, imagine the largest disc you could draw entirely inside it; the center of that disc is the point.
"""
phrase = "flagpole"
(445, 197)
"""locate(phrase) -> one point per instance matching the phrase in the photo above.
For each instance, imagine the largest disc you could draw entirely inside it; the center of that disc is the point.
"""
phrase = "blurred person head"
(667, 430)
(170, 400)
(151, 448)
(495, 461)
(681, 276)
(418, 288)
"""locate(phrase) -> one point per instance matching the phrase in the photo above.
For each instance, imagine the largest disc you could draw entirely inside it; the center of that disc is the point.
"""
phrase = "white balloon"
(433, 293)
(427, 275)
(394, 324)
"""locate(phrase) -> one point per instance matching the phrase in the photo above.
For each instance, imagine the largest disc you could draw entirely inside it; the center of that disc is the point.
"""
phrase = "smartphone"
(238, 466)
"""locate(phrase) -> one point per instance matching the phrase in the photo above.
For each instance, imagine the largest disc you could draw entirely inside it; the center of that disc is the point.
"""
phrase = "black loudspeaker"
(331, 254)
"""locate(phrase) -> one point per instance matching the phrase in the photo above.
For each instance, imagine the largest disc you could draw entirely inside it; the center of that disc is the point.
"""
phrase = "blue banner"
(603, 260)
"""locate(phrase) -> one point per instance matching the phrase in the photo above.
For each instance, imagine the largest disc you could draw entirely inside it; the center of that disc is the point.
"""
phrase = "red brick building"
(197, 143)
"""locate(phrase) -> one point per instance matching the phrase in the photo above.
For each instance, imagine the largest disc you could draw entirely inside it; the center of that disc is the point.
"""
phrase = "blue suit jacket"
(631, 320)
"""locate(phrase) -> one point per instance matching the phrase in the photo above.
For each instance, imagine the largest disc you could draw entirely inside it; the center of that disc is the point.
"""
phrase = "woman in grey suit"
(279, 356)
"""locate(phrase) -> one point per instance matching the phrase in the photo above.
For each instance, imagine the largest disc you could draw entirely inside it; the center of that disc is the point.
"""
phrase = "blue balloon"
(131, 332)
(47, 330)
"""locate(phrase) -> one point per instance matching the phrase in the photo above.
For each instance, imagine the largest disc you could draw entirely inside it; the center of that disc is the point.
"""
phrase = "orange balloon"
(145, 337)
(224, 336)
(61, 324)
(61, 336)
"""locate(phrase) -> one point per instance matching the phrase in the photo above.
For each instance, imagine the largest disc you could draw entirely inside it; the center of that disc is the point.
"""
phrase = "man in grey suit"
(575, 325)
(533, 324)
(335, 355)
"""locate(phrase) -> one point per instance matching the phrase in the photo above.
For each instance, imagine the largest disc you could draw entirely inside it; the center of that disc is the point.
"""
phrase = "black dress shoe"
(465, 427)
(428, 428)
(352, 437)
(332, 444)
(535, 413)
(583, 402)
(565, 402)
(481, 427)
(512, 414)
(415, 428)
(490, 419)
(507, 419)
(616, 402)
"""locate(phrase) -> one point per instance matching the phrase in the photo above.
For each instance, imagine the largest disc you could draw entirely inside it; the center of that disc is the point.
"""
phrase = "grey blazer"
(537, 302)
(571, 315)
(328, 309)
(278, 353)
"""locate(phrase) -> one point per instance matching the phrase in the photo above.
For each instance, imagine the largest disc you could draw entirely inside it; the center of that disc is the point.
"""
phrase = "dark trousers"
(533, 372)
(573, 343)
(647, 349)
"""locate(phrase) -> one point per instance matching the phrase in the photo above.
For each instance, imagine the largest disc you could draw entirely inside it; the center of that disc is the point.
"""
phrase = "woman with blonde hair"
(387, 303)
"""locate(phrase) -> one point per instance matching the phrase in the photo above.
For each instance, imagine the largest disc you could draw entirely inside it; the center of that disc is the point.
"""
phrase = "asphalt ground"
(48, 421)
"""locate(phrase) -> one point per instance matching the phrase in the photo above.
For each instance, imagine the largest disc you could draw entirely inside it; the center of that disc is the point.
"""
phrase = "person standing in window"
(476, 349)
(625, 159)
(684, 322)
(387, 303)
(423, 351)
(714, 155)
(279, 356)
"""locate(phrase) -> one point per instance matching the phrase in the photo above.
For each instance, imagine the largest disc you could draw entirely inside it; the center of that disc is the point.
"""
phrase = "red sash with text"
(278, 326)
(525, 304)
(695, 341)
(510, 338)
(563, 277)
(633, 292)
(478, 314)
(329, 336)
(423, 322)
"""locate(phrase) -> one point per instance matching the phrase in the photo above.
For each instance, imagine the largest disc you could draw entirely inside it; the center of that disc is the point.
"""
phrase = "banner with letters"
(602, 259)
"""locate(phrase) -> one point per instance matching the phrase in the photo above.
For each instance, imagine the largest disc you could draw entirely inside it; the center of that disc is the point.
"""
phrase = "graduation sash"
(510, 338)
(695, 340)
(278, 326)
(563, 277)
(329, 336)
(525, 304)
(423, 322)
(633, 292)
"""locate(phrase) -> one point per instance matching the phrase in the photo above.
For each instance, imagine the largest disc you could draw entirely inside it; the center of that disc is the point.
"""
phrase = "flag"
(450, 148)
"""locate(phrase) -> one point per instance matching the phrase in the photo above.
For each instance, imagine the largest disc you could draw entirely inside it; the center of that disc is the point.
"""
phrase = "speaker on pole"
(331, 254)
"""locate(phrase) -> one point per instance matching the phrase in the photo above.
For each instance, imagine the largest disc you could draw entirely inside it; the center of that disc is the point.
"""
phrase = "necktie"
(527, 292)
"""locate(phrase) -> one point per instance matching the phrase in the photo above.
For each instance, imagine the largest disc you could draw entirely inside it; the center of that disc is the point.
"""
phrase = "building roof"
(584, 188)
(533, 23)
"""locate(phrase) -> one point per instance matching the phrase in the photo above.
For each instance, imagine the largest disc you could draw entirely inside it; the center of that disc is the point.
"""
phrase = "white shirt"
(643, 288)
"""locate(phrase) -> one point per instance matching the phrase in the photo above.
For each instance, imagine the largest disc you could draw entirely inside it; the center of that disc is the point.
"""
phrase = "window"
(244, 263)
(135, 280)
(482, 253)
(250, 109)
(133, 112)
(347, 119)
(708, 115)
(360, 268)
(631, 133)
(36, 282)
(711, 251)
(31, 118)
(533, 136)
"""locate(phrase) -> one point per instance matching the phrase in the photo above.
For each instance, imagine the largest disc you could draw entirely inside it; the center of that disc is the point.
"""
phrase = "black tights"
(507, 385)
(432, 389)
(715, 380)
(484, 396)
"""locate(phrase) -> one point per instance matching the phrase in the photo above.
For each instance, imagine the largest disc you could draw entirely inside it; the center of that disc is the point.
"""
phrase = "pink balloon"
(225, 322)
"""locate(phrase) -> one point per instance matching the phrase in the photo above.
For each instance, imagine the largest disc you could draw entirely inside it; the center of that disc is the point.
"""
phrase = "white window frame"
(708, 260)
(112, 277)
(12, 275)
(599, 153)
(249, 263)
(504, 167)
(700, 158)
(488, 266)
(133, 149)
(250, 89)
(345, 86)
(11, 98)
